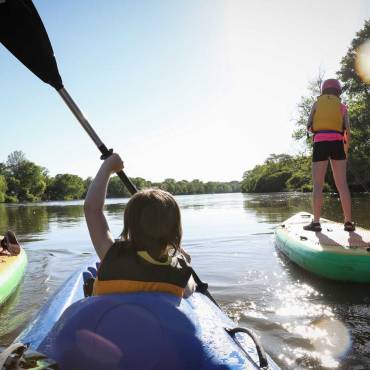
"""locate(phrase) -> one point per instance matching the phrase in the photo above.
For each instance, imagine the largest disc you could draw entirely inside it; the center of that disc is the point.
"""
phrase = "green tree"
(304, 109)
(273, 182)
(197, 187)
(141, 183)
(182, 187)
(3, 188)
(66, 187)
(235, 186)
(26, 180)
(116, 188)
(279, 172)
(15, 159)
(353, 84)
(169, 185)
(358, 98)
(2, 168)
(223, 187)
(87, 183)
(210, 187)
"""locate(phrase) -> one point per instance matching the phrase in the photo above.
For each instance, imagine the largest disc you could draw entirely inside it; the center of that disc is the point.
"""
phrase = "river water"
(303, 322)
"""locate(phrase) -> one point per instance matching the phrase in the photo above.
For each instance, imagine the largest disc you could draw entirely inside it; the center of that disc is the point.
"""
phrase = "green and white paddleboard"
(12, 269)
(332, 253)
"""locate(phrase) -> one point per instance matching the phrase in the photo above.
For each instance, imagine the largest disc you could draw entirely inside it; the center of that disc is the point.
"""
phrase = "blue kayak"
(132, 331)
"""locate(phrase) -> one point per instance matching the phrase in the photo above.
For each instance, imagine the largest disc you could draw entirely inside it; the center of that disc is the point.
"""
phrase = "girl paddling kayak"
(329, 122)
(148, 256)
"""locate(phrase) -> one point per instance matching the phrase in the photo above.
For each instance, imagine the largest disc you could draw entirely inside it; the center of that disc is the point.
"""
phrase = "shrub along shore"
(283, 172)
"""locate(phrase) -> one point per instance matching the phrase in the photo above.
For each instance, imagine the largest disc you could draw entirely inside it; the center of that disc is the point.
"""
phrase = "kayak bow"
(140, 331)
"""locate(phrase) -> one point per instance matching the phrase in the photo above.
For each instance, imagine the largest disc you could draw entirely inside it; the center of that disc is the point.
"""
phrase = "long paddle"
(23, 34)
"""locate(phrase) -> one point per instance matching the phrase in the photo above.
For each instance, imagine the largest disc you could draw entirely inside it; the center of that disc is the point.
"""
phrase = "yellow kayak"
(12, 269)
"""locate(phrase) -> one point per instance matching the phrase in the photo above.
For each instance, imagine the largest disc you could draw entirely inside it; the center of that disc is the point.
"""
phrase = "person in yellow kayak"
(329, 123)
(148, 256)
(9, 245)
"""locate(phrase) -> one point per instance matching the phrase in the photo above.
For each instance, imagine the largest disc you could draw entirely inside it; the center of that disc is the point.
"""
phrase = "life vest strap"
(131, 286)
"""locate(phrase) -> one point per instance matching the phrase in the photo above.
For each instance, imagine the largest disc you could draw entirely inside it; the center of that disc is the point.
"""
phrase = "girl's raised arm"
(97, 224)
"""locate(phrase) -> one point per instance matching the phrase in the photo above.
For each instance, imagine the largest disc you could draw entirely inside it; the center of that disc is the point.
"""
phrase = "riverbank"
(283, 172)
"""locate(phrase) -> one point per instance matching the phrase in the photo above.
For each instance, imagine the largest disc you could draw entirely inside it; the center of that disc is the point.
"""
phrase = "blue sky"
(184, 89)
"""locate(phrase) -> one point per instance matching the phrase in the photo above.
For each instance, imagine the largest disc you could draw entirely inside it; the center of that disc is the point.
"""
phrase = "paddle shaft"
(93, 135)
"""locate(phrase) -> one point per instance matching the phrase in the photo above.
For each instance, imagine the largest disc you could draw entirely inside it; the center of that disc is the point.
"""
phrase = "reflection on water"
(33, 221)
(304, 322)
(29, 220)
(277, 207)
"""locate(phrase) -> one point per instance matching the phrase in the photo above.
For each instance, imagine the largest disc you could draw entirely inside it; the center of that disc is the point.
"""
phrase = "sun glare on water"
(322, 339)
(330, 338)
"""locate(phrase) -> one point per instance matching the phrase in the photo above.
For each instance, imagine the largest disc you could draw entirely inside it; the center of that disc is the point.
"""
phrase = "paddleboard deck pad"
(332, 253)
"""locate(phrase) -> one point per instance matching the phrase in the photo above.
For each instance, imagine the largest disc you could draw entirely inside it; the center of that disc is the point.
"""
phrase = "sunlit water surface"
(303, 322)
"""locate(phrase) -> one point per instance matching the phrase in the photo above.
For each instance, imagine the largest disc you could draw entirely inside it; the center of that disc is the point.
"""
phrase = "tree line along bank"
(24, 181)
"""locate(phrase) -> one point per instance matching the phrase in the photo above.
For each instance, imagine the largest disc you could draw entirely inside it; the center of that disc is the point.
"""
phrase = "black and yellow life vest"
(126, 270)
(328, 116)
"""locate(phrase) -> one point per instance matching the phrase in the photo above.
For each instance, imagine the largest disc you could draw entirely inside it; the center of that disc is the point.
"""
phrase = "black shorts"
(324, 150)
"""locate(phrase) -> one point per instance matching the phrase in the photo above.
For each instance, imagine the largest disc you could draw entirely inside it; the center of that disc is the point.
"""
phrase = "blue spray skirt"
(132, 331)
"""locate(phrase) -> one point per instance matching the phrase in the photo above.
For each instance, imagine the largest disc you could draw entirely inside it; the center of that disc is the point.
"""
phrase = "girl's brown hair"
(152, 222)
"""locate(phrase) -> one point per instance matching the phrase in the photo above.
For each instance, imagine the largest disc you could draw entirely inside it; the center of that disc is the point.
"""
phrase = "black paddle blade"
(23, 34)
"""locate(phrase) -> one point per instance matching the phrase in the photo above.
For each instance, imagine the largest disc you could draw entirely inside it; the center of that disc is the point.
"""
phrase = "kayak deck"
(332, 253)
(208, 323)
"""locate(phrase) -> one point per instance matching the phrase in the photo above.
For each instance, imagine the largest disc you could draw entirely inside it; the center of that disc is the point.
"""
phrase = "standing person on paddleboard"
(148, 257)
(329, 123)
